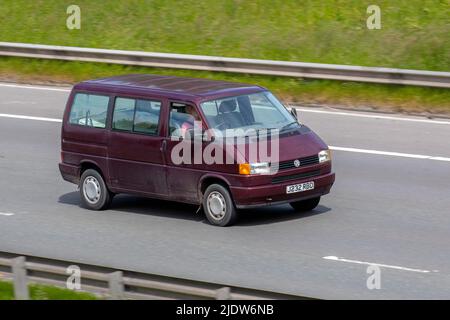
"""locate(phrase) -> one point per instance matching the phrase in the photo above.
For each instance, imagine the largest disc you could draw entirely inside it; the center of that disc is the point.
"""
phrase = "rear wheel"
(94, 193)
(219, 206)
(305, 205)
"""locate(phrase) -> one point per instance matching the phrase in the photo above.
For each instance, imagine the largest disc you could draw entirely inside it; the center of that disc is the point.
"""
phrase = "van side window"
(89, 110)
(136, 115)
(123, 114)
(146, 118)
(183, 117)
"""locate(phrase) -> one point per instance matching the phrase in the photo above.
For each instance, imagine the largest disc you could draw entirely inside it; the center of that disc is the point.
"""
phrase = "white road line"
(334, 148)
(16, 116)
(373, 116)
(391, 154)
(334, 258)
(22, 86)
(6, 214)
(339, 113)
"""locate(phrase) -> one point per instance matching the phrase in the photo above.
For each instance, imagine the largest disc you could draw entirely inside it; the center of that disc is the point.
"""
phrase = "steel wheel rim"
(217, 206)
(92, 190)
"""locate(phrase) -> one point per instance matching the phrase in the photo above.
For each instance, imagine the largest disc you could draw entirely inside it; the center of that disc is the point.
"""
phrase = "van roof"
(176, 87)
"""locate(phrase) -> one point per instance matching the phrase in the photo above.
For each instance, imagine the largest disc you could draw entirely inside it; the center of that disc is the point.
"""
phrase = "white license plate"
(300, 187)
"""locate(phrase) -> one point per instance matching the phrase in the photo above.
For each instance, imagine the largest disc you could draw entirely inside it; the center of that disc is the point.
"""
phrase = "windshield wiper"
(288, 125)
(282, 128)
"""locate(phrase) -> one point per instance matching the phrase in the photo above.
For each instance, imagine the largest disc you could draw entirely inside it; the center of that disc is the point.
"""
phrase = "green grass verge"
(348, 94)
(40, 292)
(414, 33)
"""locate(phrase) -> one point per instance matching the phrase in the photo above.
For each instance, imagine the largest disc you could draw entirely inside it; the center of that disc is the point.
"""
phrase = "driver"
(190, 122)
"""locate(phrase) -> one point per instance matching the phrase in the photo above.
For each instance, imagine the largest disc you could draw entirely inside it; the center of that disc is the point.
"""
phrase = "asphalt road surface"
(390, 206)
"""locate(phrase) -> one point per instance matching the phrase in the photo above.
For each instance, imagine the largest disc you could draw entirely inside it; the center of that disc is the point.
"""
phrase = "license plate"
(300, 187)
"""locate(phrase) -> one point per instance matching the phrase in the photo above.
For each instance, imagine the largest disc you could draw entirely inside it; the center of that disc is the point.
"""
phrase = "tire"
(218, 206)
(93, 190)
(305, 205)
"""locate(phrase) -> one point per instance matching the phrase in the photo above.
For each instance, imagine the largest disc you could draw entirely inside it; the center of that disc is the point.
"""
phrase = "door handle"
(163, 146)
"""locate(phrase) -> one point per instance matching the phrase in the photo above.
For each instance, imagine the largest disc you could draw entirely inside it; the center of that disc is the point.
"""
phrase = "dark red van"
(222, 145)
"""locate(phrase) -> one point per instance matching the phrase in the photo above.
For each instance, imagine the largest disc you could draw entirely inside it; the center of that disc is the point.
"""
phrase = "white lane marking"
(339, 113)
(391, 154)
(373, 116)
(334, 258)
(21, 86)
(6, 214)
(355, 150)
(17, 116)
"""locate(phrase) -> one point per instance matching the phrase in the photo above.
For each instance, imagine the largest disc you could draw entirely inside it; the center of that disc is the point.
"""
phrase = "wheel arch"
(89, 164)
(209, 179)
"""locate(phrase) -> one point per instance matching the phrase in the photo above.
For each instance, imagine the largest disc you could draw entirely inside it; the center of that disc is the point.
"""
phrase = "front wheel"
(219, 206)
(305, 205)
(94, 193)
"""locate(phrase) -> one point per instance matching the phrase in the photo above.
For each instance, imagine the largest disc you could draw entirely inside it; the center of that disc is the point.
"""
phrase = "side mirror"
(294, 113)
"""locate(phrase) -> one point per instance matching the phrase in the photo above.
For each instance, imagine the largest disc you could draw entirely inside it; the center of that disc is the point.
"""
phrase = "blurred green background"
(414, 35)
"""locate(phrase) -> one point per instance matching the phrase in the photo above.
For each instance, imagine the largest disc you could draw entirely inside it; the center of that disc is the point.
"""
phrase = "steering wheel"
(175, 126)
(222, 126)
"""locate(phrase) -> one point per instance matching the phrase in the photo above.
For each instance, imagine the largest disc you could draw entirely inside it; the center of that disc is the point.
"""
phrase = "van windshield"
(256, 111)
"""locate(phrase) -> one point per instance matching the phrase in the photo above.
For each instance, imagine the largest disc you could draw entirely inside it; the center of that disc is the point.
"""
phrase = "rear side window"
(89, 110)
(136, 115)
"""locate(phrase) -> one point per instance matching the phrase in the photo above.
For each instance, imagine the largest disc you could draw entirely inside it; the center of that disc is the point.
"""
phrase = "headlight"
(324, 156)
(254, 168)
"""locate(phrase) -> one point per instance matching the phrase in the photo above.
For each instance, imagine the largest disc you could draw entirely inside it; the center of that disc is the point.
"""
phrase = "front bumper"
(259, 196)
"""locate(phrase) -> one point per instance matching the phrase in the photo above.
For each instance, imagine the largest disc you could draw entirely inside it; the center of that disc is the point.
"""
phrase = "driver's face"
(190, 110)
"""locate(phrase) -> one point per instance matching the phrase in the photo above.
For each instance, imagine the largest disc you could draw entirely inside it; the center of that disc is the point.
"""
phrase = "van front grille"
(306, 161)
(297, 176)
